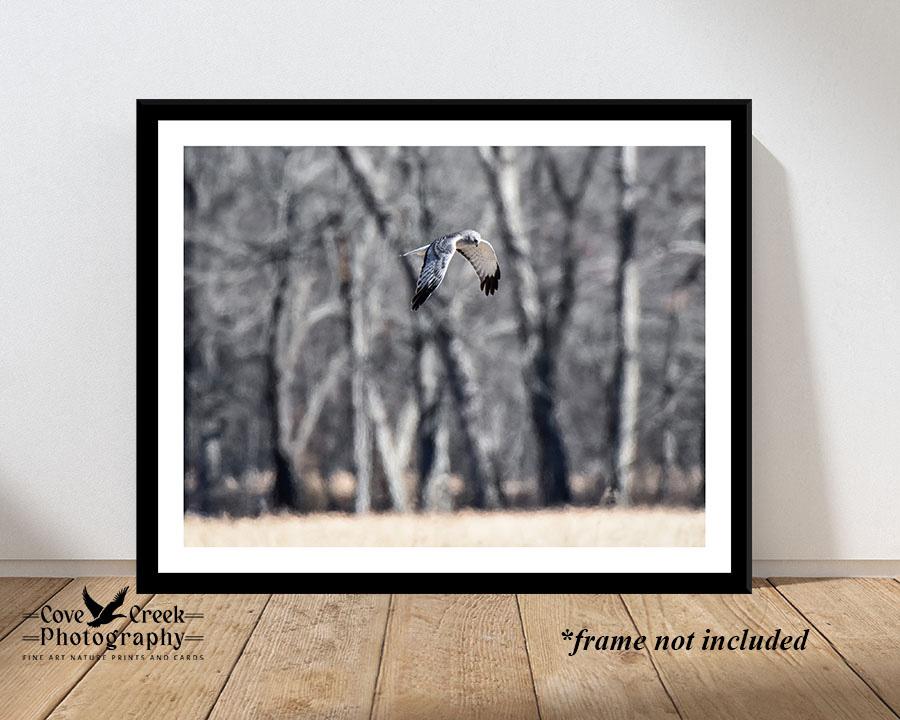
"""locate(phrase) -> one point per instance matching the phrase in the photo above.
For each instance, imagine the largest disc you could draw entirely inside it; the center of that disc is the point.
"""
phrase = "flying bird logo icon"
(104, 614)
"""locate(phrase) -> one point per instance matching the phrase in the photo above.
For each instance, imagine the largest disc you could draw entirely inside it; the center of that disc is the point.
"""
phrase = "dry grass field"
(585, 527)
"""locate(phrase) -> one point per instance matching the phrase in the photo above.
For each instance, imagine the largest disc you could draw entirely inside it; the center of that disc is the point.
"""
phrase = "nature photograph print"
(444, 346)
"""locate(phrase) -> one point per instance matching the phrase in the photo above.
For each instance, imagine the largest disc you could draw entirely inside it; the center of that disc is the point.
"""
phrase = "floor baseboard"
(826, 568)
(761, 568)
(65, 568)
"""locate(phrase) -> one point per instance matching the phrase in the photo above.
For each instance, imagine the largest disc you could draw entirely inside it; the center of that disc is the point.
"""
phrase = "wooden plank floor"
(405, 657)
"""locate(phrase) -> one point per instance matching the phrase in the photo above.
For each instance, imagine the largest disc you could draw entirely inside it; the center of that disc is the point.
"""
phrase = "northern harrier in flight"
(438, 255)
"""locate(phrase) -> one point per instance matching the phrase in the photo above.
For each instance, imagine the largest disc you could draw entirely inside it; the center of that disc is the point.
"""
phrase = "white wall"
(823, 77)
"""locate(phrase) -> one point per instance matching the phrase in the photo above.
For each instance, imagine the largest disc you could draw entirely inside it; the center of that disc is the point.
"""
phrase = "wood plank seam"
(833, 647)
(39, 605)
(537, 703)
(93, 664)
(378, 675)
(649, 654)
(311, 656)
(859, 616)
(237, 657)
(454, 656)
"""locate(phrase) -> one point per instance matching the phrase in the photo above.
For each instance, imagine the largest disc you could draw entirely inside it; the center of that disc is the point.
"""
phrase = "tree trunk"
(678, 298)
(211, 454)
(192, 370)
(459, 370)
(430, 397)
(433, 461)
(357, 341)
(461, 379)
(552, 458)
(207, 469)
(624, 387)
(670, 372)
(287, 493)
(700, 496)
(200, 409)
(436, 495)
(538, 353)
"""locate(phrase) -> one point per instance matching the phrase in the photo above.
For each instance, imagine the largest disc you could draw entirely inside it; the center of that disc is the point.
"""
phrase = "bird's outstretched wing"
(437, 259)
(92, 605)
(118, 600)
(484, 260)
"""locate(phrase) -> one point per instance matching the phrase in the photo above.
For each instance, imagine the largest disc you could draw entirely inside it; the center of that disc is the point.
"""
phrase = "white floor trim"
(65, 568)
(761, 568)
(826, 568)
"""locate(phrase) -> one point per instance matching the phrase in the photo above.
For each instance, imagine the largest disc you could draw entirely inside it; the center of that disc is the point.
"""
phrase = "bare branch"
(570, 203)
(393, 449)
(561, 306)
(316, 401)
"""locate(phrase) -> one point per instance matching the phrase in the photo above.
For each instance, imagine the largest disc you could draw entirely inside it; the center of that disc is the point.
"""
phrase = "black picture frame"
(151, 112)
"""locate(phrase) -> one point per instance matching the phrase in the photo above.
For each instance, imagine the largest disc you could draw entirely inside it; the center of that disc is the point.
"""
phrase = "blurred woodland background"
(310, 385)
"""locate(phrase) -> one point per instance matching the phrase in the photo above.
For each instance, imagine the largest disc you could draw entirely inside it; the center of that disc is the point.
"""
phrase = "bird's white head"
(472, 237)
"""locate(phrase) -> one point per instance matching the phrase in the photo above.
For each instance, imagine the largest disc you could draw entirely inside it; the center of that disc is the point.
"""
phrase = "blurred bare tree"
(310, 385)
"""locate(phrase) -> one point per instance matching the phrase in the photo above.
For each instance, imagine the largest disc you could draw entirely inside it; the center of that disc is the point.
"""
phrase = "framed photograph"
(444, 346)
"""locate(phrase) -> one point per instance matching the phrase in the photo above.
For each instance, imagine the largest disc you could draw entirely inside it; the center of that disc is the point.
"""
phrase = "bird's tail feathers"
(418, 251)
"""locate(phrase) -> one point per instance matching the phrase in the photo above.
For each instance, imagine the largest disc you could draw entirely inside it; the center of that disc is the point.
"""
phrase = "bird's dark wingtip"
(491, 283)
